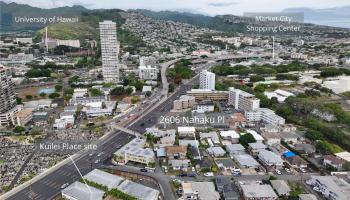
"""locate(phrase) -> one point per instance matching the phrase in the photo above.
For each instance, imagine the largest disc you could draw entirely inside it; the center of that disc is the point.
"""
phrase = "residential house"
(271, 138)
(330, 160)
(256, 147)
(230, 135)
(296, 161)
(176, 152)
(235, 149)
(216, 151)
(179, 164)
(269, 158)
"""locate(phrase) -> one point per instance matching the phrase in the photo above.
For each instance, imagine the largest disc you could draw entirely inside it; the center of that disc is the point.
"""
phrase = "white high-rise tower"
(109, 51)
(207, 80)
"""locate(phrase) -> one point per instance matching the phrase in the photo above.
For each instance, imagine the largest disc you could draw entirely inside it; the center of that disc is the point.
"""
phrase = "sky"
(208, 7)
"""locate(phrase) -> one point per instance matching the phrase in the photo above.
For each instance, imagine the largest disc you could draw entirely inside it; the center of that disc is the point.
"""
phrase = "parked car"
(143, 170)
(278, 172)
(182, 174)
(191, 175)
(209, 174)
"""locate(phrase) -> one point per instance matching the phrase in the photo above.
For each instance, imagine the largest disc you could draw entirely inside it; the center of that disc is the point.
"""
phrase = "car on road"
(98, 155)
(302, 170)
(193, 169)
(143, 170)
(278, 172)
(191, 175)
(182, 174)
(97, 161)
(287, 170)
(64, 185)
(209, 174)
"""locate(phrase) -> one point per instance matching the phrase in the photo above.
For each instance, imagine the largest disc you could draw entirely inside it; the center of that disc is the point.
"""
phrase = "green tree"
(29, 97)
(58, 88)
(129, 90)
(246, 138)
(19, 100)
(148, 93)
(256, 78)
(118, 91)
(313, 135)
(54, 95)
(95, 92)
(43, 94)
(19, 129)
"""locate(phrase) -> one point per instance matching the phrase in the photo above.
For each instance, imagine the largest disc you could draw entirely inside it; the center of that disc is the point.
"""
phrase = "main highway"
(48, 185)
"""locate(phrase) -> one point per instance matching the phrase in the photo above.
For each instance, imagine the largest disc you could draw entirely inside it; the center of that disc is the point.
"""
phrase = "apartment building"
(148, 72)
(242, 100)
(206, 80)
(109, 51)
(8, 108)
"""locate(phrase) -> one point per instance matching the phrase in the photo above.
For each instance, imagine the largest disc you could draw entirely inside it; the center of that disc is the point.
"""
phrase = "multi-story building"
(202, 94)
(207, 80)
(242, 100)
(148, 72)
(265, 115)
(148, 60)
(17, 59)
(184, 102)
(24, 116)
(8, 107)
(69, 43)
(135, 152)
(109, 51)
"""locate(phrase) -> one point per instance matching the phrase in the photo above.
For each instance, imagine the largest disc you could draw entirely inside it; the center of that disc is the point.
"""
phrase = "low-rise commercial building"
(135, 152)
(201, 94)
(331, 187)
(81, 191)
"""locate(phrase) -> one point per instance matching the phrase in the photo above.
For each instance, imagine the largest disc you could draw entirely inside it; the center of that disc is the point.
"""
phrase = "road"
(49, 185)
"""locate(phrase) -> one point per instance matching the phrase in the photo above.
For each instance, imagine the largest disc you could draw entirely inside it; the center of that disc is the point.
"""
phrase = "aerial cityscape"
(217, 101)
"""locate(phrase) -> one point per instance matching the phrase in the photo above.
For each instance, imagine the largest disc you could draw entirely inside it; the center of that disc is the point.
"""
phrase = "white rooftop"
(231, 133)
(104, 178)
(258, 191)
(139, 191)
(81, 191)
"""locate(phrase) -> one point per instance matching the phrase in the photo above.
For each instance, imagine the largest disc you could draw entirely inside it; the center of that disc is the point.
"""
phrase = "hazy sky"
(212, 7)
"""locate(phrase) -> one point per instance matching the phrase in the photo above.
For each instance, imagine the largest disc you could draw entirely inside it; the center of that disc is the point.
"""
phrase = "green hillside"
(8, 12)
(86, 28)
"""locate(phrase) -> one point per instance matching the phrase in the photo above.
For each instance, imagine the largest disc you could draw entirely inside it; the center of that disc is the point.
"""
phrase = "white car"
(97, 161)
(209, 174)
(278, 172)
(303, 170)
(64, 185)
(193, 169)
(287, 170)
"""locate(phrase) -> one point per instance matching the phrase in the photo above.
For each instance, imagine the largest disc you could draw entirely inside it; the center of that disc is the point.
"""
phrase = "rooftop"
(139, 191)
(81, 191)
(258, 191)
(104, 178)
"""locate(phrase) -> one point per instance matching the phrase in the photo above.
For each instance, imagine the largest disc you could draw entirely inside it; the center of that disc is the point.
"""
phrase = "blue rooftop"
(288, 154)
